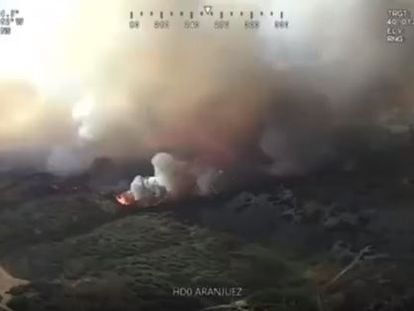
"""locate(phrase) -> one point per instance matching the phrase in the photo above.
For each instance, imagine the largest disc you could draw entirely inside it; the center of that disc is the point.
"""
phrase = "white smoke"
(146, 188)
(80, 114)
(174, 178)
(168, 171)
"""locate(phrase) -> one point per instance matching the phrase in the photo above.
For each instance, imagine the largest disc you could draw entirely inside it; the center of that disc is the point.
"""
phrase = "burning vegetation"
(319, 135)
(172, 179)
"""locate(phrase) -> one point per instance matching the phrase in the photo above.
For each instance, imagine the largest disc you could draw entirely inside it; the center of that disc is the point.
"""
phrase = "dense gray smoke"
(279, 100)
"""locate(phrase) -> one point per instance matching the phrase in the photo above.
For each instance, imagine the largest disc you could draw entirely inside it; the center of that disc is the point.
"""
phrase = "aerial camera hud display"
(207, 155)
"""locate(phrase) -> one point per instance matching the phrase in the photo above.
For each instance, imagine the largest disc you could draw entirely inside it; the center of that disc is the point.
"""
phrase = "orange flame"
(125, 198)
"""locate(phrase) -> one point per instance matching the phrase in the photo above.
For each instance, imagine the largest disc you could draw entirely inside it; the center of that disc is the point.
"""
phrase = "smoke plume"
(173, 178)
(281, 100)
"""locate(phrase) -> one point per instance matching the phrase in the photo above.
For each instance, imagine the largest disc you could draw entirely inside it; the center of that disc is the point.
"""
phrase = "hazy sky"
(74, 79)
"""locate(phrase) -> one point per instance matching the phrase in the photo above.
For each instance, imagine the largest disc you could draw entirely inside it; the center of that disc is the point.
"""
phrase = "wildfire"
(125, 198)
(173, 179)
